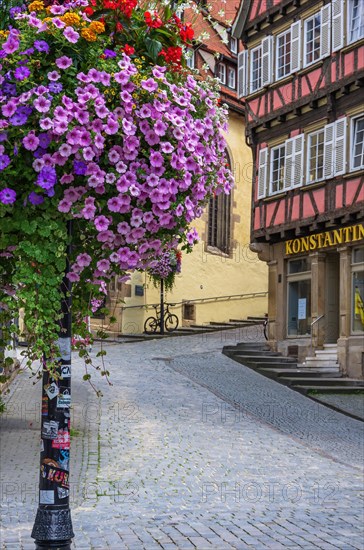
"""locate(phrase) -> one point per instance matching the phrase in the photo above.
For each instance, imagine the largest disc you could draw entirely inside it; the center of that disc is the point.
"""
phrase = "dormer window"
(221, 73)
(232, 78)
(233, 45)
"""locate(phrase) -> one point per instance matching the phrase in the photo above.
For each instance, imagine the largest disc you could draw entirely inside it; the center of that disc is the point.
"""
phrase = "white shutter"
(325, 35)
(329, 150)
(297, 171)
(267, 59)
(243, 73)
(337, 25)
(262, 173)
(288, 163)
(296, 46)
(340, 147)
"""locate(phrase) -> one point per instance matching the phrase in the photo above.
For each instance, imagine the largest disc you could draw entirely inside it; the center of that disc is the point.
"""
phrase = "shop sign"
(318, 241)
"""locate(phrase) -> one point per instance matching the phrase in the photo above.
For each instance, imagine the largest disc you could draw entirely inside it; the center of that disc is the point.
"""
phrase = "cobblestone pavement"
(188, 449)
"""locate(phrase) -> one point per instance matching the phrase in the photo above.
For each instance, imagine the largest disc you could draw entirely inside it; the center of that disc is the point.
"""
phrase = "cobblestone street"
(188, 449)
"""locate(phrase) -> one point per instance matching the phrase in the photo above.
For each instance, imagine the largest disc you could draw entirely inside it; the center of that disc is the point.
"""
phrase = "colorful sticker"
(63, 459)
(64, 400)
(44, 405)
(50, 429)
(62, 441)
(51, 473)
(46, 497)
(52, 390)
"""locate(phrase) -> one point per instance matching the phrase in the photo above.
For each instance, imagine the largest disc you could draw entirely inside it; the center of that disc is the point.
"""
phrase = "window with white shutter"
(340, 146)
(288, 166)
(297, 170)
(357, 147)
(325, 38)
(337, 14)
(243, 73)
(262, 173)
(296, 46)
(267, 60)
(315, 156)
(255, 79)
(329, 151)
(277, 162)
(283, 54)
(312, 38)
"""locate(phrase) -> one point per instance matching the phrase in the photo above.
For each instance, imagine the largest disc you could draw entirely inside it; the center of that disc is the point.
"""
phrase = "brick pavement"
(187, 449)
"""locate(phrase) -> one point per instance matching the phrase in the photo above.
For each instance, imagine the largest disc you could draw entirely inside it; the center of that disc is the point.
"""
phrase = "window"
(233, 45)
(256, 69)
(357, 318)
(315, 156)
(219, 222)
(355, 20)
(299, 297)
(283, 49)
(277, 168)
(190, 58)
(357, 154)
(221, 72)
(312, 38)
(232, 78)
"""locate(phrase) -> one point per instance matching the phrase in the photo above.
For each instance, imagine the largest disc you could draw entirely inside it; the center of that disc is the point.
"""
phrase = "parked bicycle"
(153, 323)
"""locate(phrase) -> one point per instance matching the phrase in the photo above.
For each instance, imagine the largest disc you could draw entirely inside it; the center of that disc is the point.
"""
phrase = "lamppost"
(53, 525)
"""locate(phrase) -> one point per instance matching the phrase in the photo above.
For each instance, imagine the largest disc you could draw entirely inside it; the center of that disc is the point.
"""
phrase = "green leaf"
(154, 47)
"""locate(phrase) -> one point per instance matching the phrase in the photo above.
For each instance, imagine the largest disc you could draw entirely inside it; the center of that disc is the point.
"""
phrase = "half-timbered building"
(301, 80)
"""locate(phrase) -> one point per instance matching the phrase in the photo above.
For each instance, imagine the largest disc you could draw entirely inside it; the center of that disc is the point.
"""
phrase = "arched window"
(219, 221)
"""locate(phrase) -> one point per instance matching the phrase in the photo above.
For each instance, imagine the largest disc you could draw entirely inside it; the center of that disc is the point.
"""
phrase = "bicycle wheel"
(171, 322)
(150, 325)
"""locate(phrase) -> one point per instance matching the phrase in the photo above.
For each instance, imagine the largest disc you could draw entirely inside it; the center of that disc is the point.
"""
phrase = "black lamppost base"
(53, 529)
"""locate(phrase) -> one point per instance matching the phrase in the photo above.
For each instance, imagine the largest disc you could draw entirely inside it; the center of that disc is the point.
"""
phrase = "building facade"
(221, 279)
(301, 81)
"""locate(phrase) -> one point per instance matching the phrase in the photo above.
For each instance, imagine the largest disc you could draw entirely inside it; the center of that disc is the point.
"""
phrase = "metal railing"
(204, 300)
(312, 325)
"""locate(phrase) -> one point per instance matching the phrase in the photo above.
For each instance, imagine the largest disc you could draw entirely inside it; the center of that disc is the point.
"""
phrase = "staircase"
(320, 373)
(324, 360)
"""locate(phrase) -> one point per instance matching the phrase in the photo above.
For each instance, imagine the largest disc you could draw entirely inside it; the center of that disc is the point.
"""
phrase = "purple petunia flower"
(31, 141)
(79, 167)
(7, 196)
(44, 140)
(63, 62)
(42, 104)
(41, 46)
(109, 53)
(18, 119)
(55, 87)
(4, 161)
(21, 73)
(71, 35)
(3, 136)
(35, 198)
(53, 75)
(47, 177)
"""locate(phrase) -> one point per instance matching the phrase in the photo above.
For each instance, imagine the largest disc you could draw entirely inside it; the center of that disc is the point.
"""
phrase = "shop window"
(358, 290)
(355, 20)
(299, 297)
(357, 156)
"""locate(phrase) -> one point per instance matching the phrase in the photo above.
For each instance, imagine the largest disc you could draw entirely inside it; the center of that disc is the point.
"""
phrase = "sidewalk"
(188, 449)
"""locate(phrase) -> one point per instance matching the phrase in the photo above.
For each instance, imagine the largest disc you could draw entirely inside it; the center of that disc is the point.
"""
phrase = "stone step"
(328, 346)
(321, 358)
(258, 318)
(331, 389)
(246, 321)
(253, 346)
(259, 365)
(300, 373)
(319, 352)
(324, 381)
(256, 352)
(264, 358)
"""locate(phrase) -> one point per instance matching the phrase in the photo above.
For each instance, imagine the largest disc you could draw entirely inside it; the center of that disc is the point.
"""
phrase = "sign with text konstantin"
(318, 241)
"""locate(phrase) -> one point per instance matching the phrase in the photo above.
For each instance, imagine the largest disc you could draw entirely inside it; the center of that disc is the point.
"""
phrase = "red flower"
(129, 50)
(153, 20)
(187, 33)
(172, 55)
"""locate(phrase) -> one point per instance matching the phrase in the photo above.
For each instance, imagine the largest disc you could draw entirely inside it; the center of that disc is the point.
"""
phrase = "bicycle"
(153, 323)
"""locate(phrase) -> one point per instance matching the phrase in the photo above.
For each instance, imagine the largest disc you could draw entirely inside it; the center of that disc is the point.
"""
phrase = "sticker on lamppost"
(64, 400)
(46, 497)
(66, 371)
(52, 390)
(64, 345)
(50, 429)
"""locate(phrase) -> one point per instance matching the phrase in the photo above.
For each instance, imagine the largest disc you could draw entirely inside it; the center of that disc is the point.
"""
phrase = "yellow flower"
(97, 27)
(88, 35)
(71, 19)
(4, 34)
(37, 5)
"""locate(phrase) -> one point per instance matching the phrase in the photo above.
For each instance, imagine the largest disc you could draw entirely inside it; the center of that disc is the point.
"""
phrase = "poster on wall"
(302, 308)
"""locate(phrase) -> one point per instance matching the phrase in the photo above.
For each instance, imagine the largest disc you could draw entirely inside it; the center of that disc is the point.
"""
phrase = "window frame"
(257, 49)
(305, 23)
(190, 59)
(219, 67)
(353, 123)
(356, 267)
(231, 70)
(298, 277)
(234, 41)
(271, 161)
(277, 38)
(349, 14)
(308, 157)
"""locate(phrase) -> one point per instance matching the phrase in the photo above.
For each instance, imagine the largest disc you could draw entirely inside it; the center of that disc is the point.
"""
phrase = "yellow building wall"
(207, 274)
